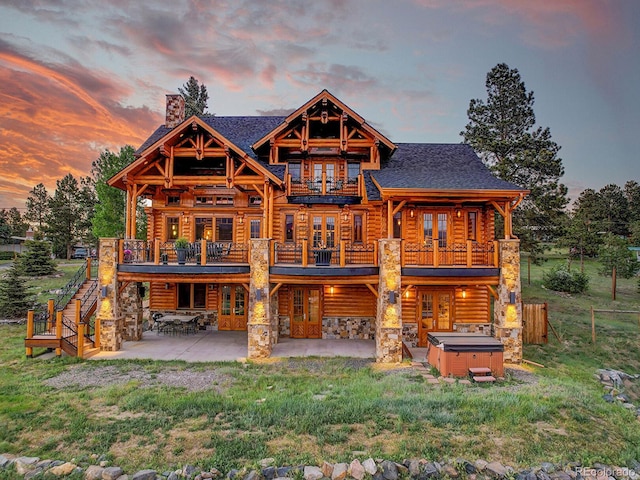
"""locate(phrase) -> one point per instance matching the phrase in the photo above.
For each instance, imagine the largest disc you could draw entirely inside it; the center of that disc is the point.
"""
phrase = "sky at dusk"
(79, 77)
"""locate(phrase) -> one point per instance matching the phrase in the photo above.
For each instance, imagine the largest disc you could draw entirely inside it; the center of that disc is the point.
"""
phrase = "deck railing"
(469, 254)
(343, 254)
(336, 186)
(201, 252)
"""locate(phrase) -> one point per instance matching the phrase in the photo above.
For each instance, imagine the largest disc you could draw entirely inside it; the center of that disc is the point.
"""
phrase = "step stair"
(481, 375)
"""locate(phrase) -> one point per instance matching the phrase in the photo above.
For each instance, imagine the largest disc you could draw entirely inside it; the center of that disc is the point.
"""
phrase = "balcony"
(469, 259)
(325, 190)
(136, 252)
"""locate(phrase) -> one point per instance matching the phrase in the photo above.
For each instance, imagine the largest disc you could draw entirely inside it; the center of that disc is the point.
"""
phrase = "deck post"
(59, 331)
(108, 311)
(388, 312)
(80, 351)
(507, 325)
(259, 324)
(29, 350)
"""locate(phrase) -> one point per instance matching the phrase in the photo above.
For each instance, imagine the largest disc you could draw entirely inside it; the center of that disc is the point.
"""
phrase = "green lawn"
(304, 411)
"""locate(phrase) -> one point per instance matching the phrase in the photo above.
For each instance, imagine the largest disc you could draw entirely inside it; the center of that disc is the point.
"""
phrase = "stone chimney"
(175, 110)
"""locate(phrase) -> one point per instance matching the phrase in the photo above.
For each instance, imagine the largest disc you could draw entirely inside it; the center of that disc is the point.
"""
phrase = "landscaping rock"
(62, 470)
(312, 473)
(548, 467)
(36, 472)
(188, 471)
(607, 397)
(429, 471)
(327, 469)
(6, 460)
(269, 473)
(283, 471)
(370, 466)
(339, 471)
(389, 470)
(111, 473)
(356, 470)
(173, 476)
(450, 471)
(25, 464)
(480, 465)
(496, 470)
(267, 462)
(145, 475)
(93, 472)
(252, 475)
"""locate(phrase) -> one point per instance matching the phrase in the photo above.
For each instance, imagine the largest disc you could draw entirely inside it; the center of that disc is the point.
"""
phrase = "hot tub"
(453, 354)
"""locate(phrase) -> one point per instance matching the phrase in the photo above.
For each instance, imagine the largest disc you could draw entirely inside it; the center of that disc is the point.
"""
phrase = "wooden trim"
(492, 291)
(373, 290)
(275, 289)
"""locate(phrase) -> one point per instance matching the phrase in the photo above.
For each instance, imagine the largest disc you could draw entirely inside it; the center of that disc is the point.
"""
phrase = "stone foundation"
(410, 334)
(130, 304)
(111, 334)
(348, 328)
(208, 319)
(259, 342)
(480, 328)
(389, 345)
(388, 307)
(284, 326)
(511, 338)
(508, 305)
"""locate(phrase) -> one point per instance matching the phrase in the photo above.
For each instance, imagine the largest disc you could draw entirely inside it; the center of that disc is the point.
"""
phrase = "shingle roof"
(438, 166)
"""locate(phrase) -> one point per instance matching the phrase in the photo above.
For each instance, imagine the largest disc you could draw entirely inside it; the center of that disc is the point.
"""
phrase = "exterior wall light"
(392, 297)
(512, 298)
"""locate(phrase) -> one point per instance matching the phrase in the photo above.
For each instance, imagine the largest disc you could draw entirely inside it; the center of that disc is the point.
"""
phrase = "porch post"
(507, 324)
(130, 304)
(111, 322)
(259, 328)
(388, 312)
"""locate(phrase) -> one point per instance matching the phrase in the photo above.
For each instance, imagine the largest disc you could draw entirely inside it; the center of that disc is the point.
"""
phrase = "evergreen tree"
(617, 260)
(36, 261)
(14, 295)
(5, 228)
(502, 131)
(17, 224)
(195, 97)
(37, 206)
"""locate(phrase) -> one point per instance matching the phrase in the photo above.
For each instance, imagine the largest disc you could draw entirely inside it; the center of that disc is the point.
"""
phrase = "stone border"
(613, 383)
(97, 468)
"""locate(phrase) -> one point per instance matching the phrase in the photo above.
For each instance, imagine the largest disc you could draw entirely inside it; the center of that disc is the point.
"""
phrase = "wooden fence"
(535, 324)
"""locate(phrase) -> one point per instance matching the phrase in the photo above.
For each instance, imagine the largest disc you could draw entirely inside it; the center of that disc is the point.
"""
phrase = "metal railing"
(70, 289)
(69, 333)
(140, 251)
(324, 186)
(290, 253)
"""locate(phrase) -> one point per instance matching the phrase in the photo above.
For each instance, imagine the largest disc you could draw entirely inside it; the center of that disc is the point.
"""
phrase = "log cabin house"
(313, 225)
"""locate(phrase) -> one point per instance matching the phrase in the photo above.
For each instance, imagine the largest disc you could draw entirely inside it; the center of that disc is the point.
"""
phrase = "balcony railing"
(343, 254)
(469, 254)
(325, 186)
(197, 253)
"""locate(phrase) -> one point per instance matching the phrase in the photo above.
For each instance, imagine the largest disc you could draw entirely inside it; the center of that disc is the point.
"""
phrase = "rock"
(44, 464)
(111, 473)
(188, 471)
(25, 464)
(282, 471)
(548, 467)
(560, 476)
(215, 472)
(629, 406)
(370, 466)
(450, 471)
(608, 398)
(402, 470)
(267, 462)
(6, 460)
(93, 472)
(63, 470)
(429, 471)
(145, 475)
(496, 470)
(389, 470)
(205, 475)
(480, 465)
(173, 476)
(36, 472)
(356, 470)
(123, 477)
(312, 473)
(252, 475)
(327, 469)
(269, 473)
(339, 471)
(621, 397)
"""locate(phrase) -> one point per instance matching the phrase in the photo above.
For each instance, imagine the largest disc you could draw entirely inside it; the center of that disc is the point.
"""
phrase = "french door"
(434, 313)
(306, 313)
(232, 314)
(324, 230)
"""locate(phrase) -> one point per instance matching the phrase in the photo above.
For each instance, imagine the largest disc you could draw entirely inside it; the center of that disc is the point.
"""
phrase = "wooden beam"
(373, 290)
(492, 292)
(275, 289)
(246, 287)
(400, 205)
(406, 289)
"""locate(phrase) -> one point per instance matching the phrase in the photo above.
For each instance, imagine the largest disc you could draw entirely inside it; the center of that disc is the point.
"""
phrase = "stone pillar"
(130, 304)
(508, 306)
(111, 322)
(259, 322)
(389, 313)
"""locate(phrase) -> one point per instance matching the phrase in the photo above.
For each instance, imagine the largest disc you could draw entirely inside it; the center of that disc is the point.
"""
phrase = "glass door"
(306, 313)
(232, 314)
(434, 313)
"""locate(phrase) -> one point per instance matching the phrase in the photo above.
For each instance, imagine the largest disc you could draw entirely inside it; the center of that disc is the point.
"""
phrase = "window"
(173, 228)
(173, 200)
(204, 228)
(192, 295)
(328, 168)
(224, 229)
(397, 225)
(204, 200)
(437, 230)
(357, 229)
(255, 200)
(288, 228)
(353, 170)
(224, 200)
(472, 225)
(294, 171)
(324, 231)
(254, 228)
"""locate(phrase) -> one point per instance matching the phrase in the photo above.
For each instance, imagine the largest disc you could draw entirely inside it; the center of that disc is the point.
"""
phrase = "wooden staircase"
(67, 325)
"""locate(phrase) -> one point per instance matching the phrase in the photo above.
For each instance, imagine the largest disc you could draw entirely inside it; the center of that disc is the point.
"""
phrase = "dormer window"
(173, 200)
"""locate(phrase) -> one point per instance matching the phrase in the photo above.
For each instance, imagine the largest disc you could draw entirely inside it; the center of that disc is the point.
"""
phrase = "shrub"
(6, 255)
(14, 295)
(36, 261)
(560, 279)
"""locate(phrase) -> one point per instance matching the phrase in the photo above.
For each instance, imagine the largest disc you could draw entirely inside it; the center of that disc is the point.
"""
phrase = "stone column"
(130, 304)
(107, 314)
(388, 313)
(508, 306)
(259, 321)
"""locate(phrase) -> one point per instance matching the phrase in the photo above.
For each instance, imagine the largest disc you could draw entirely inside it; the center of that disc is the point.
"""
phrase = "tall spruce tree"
(36, 261)
(502, 130)
(195, 97)
(37, 206)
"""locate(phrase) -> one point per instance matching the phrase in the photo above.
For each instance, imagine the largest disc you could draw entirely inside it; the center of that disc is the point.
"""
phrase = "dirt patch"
(83, 376)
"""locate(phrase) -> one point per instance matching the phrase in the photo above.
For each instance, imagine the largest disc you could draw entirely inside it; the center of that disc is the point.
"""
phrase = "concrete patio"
(215, 346)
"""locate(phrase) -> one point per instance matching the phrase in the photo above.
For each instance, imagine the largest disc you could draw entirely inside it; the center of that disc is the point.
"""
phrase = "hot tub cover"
(465, 342)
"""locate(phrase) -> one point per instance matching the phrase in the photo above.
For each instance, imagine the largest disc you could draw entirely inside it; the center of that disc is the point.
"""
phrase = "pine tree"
(37, 206)
(15, 300)
(195, 97)
(502, 131)
(36, 261)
